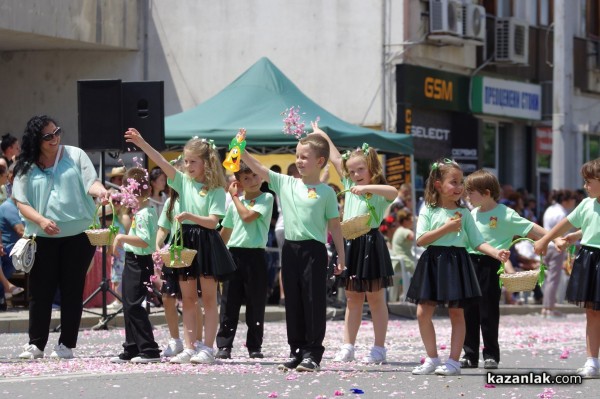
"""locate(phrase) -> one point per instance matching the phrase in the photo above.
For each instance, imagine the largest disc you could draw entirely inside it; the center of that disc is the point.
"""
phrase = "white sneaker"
(346, 354)
(428, 367)
(588, 371)
(376, 356)
(31, 352)
(183, 357)
(447, 369)
(174, 347)
(205, 355)
(61, 352)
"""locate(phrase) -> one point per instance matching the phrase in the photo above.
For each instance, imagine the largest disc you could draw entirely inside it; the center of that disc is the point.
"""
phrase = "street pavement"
(528, 342)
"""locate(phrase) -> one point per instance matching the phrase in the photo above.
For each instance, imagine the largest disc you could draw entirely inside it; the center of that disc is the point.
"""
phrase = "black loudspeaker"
(99, 107)
(143, 108)
(107, 108)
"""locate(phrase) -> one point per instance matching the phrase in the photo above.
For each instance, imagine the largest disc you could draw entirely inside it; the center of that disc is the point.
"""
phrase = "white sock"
(379, 349)
(592, 362)
(435, 360)
(453, 363)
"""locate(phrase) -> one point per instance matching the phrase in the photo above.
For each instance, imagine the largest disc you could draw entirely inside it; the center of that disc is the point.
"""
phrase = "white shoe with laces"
(376, 356)
(588, 371)
(184, 357)
(174, 347)
(31, 352)
(61, 352)
(428, 367)
(346, 354)
(205, 355)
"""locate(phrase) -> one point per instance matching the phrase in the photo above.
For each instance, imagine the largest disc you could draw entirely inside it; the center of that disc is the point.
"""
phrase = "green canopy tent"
(254, 101)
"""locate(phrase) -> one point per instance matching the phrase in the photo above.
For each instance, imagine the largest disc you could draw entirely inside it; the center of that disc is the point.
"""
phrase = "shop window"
(593, 19)
(591, 147)
(490, 146)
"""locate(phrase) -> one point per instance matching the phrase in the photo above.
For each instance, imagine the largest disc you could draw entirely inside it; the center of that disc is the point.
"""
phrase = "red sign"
(543, 140)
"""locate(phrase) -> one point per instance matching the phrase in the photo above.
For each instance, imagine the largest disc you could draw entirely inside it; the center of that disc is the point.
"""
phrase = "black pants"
(248, 282)
(304, 272)
(59, 263)
(486, 313)
(139, 337)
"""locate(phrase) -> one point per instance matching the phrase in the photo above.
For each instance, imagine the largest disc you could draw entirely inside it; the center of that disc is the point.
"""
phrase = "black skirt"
(368, 264)
(212, 260)
(584, 283)
(444, 275)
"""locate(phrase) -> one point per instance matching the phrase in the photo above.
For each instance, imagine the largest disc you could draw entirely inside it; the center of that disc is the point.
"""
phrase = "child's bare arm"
(500, 254)
(336, 233)
(537, 232)
(210, 221)
(226, 234)
(388, 192)
(133, 136)
(452, 225)
(246, 214)
(160, 237)
(134, 241)
(334, 155)
(258, 168)
(560, 229)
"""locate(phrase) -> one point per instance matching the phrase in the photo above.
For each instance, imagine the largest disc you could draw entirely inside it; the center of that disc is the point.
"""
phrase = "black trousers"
(304, 274)
(139, 337)
(486, 313)
(59, 263)
(249, 283)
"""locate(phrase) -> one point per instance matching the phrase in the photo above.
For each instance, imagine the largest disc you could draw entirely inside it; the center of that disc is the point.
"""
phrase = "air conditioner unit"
(446, 20)
(512, 41)
(474, 23)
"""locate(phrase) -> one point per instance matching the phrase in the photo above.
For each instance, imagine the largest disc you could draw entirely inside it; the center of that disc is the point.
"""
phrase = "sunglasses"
(51, 136)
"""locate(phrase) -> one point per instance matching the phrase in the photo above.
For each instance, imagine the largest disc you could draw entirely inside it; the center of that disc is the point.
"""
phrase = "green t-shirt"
(499, 225)
(196, 199)
(355, 205)
(163, 219)
(587, 217)
(434, 218)
(306, 208)
(402, 246)
(144, 225)
(255, 233)
(69, 205)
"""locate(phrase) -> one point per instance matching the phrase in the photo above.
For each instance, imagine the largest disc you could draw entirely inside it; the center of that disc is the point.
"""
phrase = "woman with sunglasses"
(53, 189)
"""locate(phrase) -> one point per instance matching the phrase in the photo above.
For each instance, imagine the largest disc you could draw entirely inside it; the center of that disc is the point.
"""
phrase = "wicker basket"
(522, 281)
(100, 237)
(356, 226)
(186, 259)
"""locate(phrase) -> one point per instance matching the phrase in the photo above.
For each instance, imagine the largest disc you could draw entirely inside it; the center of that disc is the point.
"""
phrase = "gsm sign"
(438, 89)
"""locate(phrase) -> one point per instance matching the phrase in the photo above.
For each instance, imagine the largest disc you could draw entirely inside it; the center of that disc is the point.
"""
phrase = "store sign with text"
(506, 98)
(419, 87)
(397, 170)
(543, 140)
(431, 131)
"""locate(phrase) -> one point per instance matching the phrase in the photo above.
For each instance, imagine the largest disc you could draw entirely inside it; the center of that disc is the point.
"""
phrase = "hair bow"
(174, 161)
(365, 148)
(346, 155)
(211, 143)
(436, 165)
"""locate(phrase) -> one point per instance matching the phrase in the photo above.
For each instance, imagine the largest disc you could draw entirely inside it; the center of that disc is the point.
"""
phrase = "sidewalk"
(16, 320)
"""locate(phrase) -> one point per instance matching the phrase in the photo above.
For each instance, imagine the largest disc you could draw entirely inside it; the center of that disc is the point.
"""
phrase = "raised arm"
(334, 155)
(257, 167)
(133, 136)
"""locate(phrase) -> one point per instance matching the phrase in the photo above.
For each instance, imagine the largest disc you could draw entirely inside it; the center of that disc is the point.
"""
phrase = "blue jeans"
(8, 269)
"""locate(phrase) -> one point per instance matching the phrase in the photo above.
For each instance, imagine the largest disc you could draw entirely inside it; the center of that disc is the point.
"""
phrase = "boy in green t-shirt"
(139, 244)
(245, 230)
(498, 225)
(309, 209)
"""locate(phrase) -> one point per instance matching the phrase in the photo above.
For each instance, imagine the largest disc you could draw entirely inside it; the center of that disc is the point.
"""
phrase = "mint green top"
(587, 217)
(499, 225)
(163, 219)
(145, 226)
(69, 204)
(355, 205)
(253, 234)
(402, 247)
(306, 208)
(196, 199)
(434, 218)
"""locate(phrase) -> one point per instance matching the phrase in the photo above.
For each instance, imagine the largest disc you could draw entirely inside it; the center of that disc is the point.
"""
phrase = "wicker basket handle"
(372, 213)
(113, 228)
(543, 268)
(176, 242)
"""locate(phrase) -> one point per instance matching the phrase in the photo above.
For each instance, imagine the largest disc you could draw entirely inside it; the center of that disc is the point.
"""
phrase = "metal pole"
(565, 155)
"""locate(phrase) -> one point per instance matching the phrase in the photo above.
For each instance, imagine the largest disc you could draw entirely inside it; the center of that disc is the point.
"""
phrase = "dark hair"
(591, 170)
(482, 180)
(155, 173)
(559, 196)
(30, 144)
(174, 195)
(243, 169)
(276, 168)
(7, 141)
(2, 169)
(438, 172)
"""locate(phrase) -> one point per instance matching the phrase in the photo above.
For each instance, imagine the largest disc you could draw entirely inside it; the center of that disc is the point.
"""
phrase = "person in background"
(402, 243)
(115, 177)
(158, 182)
(10, 148)
(53, 190)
